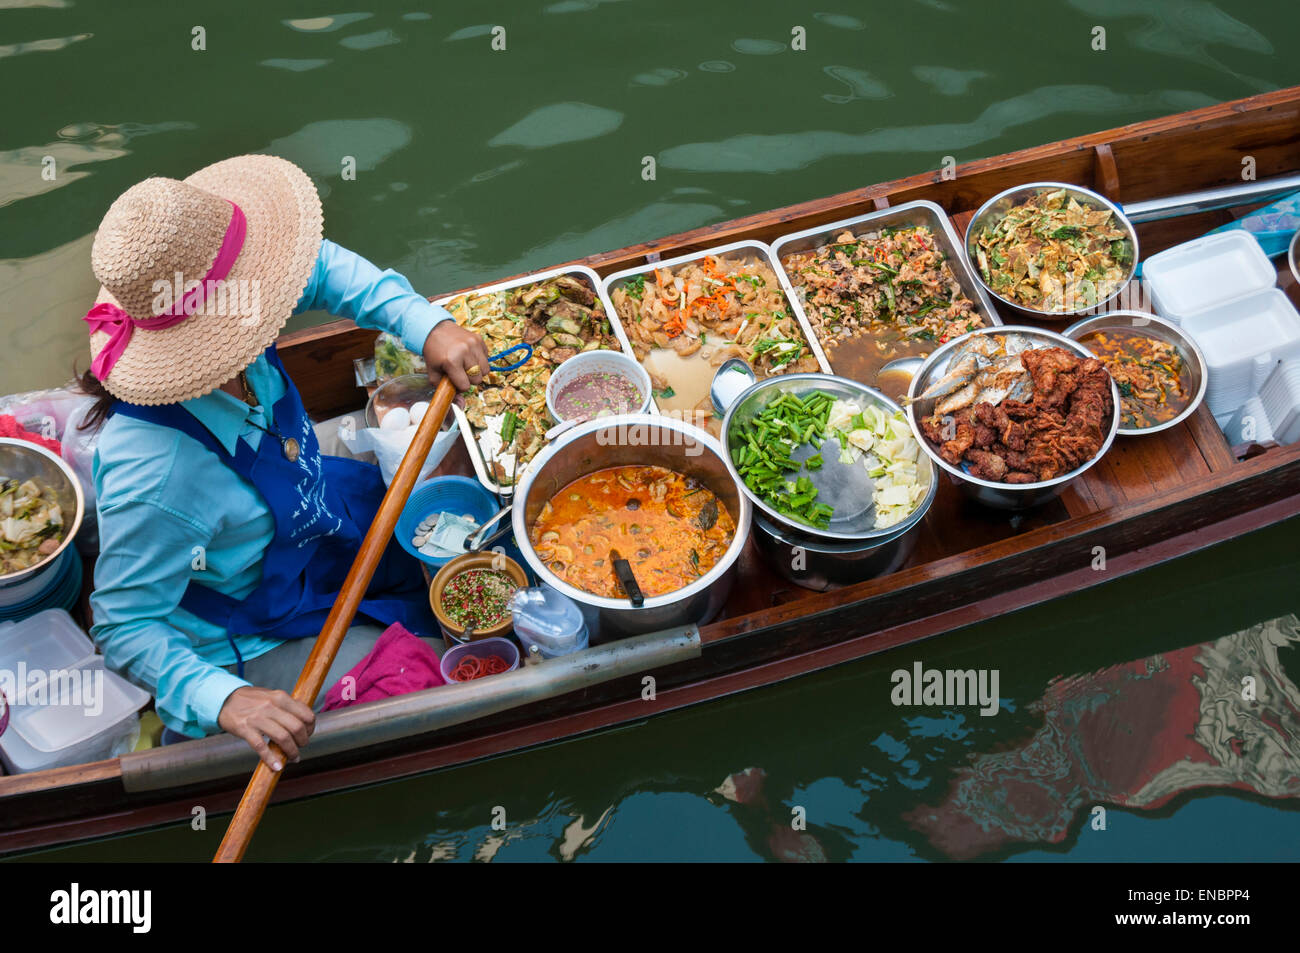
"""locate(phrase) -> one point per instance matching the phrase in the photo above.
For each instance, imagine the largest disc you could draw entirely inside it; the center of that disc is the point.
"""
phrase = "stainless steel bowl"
(20, 460)
(821, 564)
(1154, 327)
(1003, 496)
(847, 525)
(632, 440)
(1000, 204)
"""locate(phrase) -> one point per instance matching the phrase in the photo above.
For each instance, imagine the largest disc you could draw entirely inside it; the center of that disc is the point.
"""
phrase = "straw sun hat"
(242, 235)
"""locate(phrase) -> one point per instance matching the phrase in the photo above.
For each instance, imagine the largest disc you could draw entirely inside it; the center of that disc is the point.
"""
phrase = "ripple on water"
(663, 76)
(946, 81)
(325, 24)
(295, 66)
(468, 32)
(716, 66)
(861, 85)
(319, 146)
(42, 46)
(557, 124)
(797, 150)
(757, 47)
(841, 21)
(369, 41)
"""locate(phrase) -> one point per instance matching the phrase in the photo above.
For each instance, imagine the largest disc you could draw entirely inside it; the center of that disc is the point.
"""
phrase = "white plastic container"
(1205, 273)
(1242, 340)
(1280, 399)
(545, 617)
(64, 706)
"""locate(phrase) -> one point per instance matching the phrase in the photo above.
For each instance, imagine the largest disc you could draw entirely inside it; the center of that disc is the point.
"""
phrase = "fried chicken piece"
(986, 466)
(1055, 372)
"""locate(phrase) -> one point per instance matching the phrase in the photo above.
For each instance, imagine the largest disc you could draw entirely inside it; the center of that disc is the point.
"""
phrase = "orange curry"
(670, 528)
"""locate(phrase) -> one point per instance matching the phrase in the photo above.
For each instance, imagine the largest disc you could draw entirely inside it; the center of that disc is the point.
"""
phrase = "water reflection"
(557, 124)
(947, 81)
(792, 151)
(42, 46)
(1135, 735)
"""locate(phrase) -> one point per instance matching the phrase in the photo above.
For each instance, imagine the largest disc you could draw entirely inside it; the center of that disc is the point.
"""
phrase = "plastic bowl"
(461, 564)
(479, 648)
(460, 495)
(609, 362)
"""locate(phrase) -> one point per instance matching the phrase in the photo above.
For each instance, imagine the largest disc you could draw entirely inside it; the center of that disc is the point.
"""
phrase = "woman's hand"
(452, 351)
(256, 714)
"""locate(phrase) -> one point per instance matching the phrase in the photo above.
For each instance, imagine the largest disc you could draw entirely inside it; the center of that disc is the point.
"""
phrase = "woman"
(224, 533)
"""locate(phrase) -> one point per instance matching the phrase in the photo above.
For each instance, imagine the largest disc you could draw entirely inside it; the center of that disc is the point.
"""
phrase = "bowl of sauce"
(1158, 369)
(473, 591)
(597, 384)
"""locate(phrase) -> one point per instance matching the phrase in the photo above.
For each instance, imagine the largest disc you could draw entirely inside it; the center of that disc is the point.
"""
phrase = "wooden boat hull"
(1150, 499)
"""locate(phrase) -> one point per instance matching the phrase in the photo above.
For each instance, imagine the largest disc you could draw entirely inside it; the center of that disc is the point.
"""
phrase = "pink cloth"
(119, 325)
(10, 427)
(398, 664)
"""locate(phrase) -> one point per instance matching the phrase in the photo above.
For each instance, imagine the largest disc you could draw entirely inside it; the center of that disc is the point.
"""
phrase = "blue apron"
(322, 506)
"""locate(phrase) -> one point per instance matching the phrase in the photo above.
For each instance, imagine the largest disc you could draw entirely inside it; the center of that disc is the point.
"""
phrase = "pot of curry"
(645, 490)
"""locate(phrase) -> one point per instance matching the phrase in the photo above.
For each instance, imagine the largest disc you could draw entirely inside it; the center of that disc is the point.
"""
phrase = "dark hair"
(91, 385)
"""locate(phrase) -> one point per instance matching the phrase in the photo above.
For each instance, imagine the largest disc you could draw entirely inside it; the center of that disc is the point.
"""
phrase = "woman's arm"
(146, 552)
(156, 517)
(345, 284)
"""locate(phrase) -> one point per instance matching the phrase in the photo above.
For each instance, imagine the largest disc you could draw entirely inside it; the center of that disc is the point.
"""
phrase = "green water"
(474, 164)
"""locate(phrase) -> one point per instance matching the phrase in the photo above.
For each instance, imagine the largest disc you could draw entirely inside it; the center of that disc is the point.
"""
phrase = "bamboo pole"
(260, 787)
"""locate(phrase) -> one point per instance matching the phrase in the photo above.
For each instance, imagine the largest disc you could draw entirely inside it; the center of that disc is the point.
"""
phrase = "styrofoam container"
(1249, 424)
(65, 707)
(1205, 273)
(1280, 400)
(1242, 340)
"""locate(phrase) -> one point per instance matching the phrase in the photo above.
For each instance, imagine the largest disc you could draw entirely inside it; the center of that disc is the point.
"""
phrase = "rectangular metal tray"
(466, 429)
(909, 214)
(732, 250)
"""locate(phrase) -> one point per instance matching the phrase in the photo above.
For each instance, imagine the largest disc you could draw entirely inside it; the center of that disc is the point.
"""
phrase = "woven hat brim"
(283, 239)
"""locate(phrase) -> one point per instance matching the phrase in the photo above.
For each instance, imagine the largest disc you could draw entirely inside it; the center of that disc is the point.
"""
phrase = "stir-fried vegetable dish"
(879, 296)
(560, 317)
(1052, 253)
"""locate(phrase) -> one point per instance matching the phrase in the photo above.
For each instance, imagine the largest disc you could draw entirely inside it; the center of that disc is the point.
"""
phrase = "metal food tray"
(467, 430)
(619, 278)
(908, 214)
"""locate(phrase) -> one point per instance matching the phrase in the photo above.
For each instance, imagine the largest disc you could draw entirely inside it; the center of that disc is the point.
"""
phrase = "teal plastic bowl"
(460, 495)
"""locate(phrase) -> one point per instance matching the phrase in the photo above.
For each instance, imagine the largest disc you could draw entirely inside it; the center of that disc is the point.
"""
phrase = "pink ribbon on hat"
(119, 325)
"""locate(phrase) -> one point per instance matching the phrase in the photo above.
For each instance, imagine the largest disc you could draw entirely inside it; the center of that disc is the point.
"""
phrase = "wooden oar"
(258, 793)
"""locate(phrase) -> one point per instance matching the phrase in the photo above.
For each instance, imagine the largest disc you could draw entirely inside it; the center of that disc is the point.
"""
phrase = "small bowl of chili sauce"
(473, 591)
(597, 383)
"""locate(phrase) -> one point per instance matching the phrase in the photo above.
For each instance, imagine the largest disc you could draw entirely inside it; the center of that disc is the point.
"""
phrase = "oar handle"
(258, 793)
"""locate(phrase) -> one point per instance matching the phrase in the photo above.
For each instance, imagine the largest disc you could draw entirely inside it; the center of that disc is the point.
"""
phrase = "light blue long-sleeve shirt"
(171, 512)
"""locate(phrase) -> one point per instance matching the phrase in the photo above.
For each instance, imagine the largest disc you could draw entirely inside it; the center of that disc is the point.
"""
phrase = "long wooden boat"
(1150, 499)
